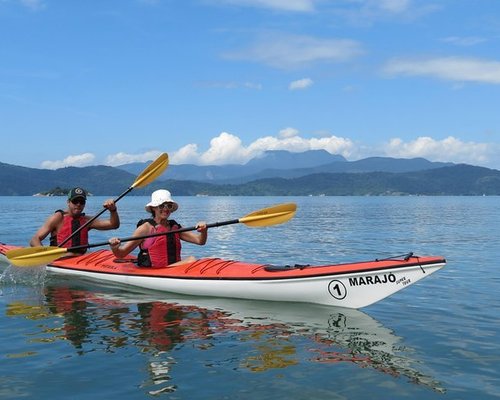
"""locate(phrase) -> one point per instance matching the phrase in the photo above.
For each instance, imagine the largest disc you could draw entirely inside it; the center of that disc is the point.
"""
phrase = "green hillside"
(102, 180)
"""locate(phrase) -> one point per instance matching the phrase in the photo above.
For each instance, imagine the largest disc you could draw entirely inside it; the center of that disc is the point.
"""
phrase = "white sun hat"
(159, 197)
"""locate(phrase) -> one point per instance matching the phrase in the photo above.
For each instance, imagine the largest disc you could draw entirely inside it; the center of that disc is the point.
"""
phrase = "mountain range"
(284, 164)
(314, 172)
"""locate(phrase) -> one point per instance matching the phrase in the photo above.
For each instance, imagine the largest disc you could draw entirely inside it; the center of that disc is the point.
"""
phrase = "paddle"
(145, 178)
(42, 255)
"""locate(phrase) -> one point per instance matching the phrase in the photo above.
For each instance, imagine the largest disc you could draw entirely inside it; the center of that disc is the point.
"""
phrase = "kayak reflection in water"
(270, 336)
(160, 251)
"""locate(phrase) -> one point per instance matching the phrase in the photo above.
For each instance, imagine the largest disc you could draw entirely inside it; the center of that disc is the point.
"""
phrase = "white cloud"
(288, 133)
(228, 148)
(447, 68)
(224, 147)
(286, 51)
(79, 160)
(355, 12)
(124, 158)
(332, 144)
(464, 41)
(281, 5)
(393, 6)
(186, 155)
(367, 12)
(251, 85)
(33, 5)
(449, 149)
(300, 84)
(364, 6)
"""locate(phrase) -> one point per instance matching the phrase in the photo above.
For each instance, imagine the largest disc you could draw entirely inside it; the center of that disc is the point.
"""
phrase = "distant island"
(57, 191)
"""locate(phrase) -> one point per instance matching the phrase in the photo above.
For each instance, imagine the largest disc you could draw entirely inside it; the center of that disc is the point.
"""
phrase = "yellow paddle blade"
(270, 216)
(34, 312)
(34, 256)
(153, 171)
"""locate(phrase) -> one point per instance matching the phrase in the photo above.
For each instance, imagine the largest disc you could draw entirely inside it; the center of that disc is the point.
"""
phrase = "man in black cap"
(62, 224)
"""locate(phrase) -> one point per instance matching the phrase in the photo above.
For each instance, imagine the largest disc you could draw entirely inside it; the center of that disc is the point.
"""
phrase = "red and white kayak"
(350, 285)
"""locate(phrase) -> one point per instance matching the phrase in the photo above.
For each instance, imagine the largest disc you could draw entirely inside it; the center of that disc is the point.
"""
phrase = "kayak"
(349, 285)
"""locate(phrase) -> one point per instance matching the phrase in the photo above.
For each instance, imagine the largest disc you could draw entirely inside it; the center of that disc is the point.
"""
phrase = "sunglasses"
(168, 206)
(78, 201)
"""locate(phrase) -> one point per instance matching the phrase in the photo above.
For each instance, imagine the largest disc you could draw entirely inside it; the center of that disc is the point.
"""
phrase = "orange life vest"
(160, 251)
(70, 225)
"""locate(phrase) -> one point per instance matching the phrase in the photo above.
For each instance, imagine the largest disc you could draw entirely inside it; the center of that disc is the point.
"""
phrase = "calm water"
(438, 339)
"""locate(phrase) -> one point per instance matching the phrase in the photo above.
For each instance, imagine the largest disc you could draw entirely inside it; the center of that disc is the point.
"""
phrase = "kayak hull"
(350, 285)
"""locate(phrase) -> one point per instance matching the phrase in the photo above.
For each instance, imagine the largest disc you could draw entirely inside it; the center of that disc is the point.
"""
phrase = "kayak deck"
(105, 262)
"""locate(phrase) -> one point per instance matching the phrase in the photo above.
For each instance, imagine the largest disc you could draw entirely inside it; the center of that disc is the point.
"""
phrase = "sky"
(215, 82)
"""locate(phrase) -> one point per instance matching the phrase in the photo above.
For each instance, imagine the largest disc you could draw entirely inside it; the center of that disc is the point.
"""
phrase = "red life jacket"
(70, 225)
(160, 251)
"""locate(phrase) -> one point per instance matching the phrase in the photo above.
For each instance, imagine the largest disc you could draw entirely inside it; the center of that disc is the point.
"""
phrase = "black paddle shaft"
(129, 239)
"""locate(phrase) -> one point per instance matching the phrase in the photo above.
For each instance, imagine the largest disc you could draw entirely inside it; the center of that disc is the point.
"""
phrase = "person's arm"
(114, 219)
(120, 250)
(196, 238)
(48, 227)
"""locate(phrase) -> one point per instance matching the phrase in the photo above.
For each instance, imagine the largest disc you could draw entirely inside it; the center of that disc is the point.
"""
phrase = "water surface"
(437, 339)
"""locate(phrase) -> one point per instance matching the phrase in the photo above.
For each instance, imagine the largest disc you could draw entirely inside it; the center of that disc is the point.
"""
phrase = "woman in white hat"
(163, 250)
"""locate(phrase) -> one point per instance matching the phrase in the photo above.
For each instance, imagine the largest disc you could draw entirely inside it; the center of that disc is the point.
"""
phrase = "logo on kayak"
(372, 280)
(337, 289)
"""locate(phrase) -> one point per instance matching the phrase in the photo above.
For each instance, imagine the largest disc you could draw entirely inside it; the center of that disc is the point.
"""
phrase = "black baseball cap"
(77, 192)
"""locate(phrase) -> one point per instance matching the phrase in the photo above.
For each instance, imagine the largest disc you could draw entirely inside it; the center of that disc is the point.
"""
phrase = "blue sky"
(221, 81)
